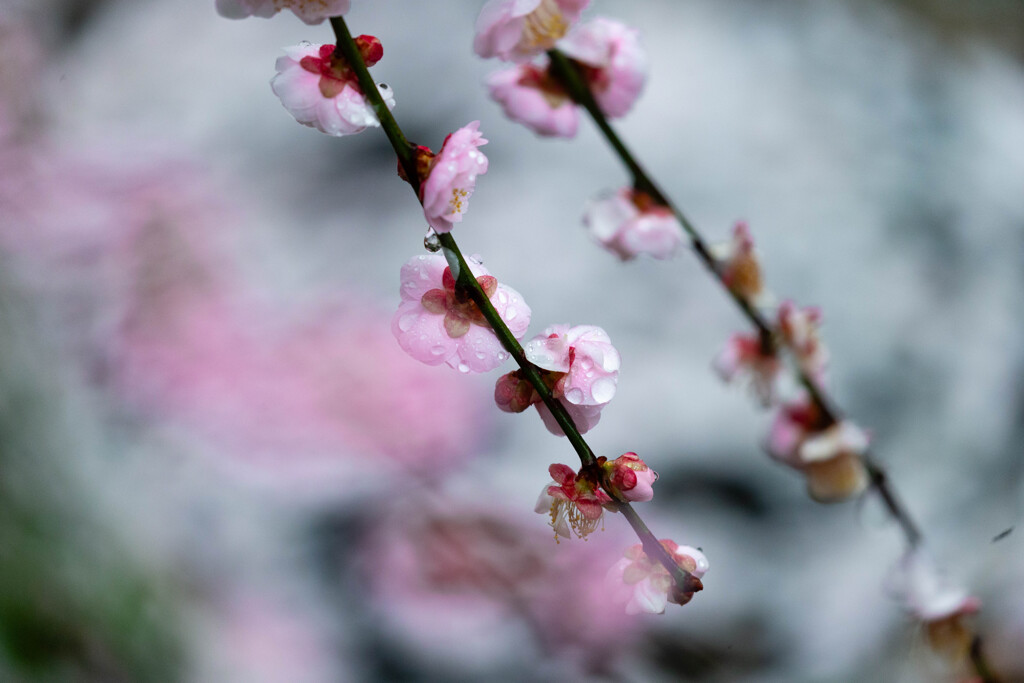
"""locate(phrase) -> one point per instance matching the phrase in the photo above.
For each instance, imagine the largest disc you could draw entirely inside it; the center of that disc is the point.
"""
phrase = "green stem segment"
(406, 151)
(568, 74)
(980, 663)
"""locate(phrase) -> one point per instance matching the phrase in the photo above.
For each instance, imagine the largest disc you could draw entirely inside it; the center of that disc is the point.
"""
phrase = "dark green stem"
(569, 75)
(511, 344)
(406, 152)
(980, 663)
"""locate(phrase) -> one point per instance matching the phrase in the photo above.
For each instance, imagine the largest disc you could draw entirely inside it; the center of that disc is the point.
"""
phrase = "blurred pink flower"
(516, 30)
(828, 454)
(305, 400)
(322, 92)
(628, 223)
(917, 583)
(745, 357)
(442, 577)
(799, 330)
(739, 267)
(938, 603)
(632, 477)
(451, 177)
(436, 324)
(309, 11)
(645, 585)
(252, 637)
(612, 60)
(530, 96)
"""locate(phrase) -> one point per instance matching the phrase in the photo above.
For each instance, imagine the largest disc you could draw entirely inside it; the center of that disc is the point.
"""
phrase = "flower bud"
(632, 477)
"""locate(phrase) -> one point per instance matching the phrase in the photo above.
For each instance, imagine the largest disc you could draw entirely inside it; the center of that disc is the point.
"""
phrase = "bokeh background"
(216, 465)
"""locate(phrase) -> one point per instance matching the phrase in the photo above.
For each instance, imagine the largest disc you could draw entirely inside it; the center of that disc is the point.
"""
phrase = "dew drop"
(431, 242)
(481, 355)
(502, 355)
(586, 363)
(510, 314)
(437, 350)
(406, 321)
(603, 390)
(463, 368)
(574, 395)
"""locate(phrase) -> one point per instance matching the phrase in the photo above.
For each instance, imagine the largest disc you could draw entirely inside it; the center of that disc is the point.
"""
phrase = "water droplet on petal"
(510, 314)
(586, 363)
(574, 395)
(463, 368)
(431, 242)
(406, 321)
(603, 390)
(502, 355)
(438, 350)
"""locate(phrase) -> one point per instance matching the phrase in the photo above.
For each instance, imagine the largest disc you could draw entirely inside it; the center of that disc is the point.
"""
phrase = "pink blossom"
(629, 223)
(746, 357)
(645, 585)
(799, 330)
(579, 366)
(529, 95)
(299, 406)
(253, 635)
(612, 60)
(451, 177)
(442, 577)
(917, 582)
(584, 417)
(514, 394)
(632, 477)
(436, 323)
(938, 603)
(585, 355)
(309, 11)
(573, 501)
(828, 454)
(517, 30)
(739, 266)
(321, 91)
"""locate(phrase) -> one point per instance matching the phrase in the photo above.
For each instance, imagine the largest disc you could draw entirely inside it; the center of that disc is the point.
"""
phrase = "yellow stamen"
(543, 26)
(457, 202)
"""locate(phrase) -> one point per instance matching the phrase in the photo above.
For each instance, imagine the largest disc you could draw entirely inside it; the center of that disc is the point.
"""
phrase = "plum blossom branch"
(685, 582)
(565, 70)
